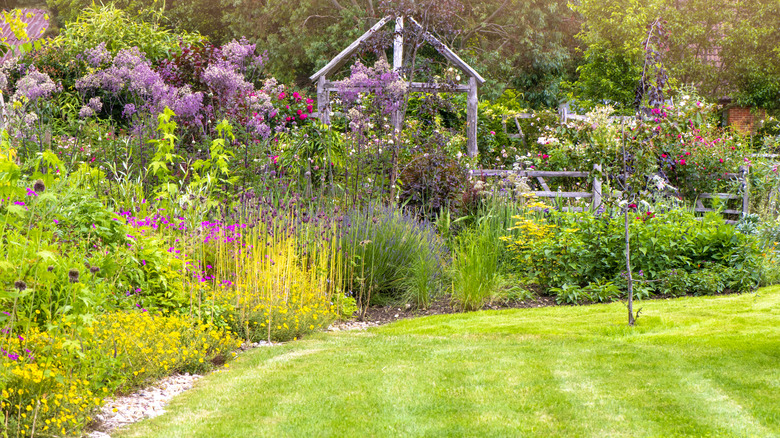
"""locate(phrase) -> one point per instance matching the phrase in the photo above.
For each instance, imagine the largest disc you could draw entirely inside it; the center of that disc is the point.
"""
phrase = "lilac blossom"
(30, 119)
(386, 85)
(225, 82)
(130, 72)
(86, 112)
(128, 111)
(35, 85)
(95, 104)
(98, 55)
(241, 55)
(187, 104)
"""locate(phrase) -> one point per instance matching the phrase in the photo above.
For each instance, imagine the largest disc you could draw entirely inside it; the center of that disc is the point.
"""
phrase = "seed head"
(39, 186)
(94, 269)
(50, 268)
(20, 285)
(73, 275)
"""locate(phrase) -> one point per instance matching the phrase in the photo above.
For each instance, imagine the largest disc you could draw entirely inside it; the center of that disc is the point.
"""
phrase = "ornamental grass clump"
(475, 272)
(389, 254)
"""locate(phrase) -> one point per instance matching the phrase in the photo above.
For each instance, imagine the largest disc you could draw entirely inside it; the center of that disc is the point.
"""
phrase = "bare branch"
(318, 16)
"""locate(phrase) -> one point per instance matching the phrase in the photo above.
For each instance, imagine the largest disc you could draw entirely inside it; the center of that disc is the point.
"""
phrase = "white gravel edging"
(147, 402)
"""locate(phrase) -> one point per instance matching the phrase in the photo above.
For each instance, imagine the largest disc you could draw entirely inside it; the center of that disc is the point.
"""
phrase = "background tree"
(727, 49)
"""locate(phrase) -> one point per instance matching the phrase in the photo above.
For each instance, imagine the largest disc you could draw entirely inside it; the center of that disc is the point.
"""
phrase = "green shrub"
(119, 30)
(579, 249)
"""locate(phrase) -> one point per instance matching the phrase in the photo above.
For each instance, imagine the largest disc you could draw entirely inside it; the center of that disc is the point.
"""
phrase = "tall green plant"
(475, 271)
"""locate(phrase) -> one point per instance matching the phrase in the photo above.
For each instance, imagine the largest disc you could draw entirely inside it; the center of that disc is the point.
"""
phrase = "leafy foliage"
(586, 253)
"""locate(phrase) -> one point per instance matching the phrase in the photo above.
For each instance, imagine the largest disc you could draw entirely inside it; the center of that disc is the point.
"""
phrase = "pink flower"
(303, 116)
(281, 95)
(721, 160)
(492, 132)
(682, 162)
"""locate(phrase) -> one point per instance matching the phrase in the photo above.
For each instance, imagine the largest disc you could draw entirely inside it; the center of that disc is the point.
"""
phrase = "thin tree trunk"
(629, 278)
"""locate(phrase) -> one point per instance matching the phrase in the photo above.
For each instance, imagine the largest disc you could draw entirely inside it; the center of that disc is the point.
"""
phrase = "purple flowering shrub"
(128, 85)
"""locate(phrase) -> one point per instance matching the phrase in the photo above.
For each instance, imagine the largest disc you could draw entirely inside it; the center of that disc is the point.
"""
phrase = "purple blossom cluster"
(35, 85)
(241, 54)
(226, 82)
(385, 85)
(130, 80)
(97, 56)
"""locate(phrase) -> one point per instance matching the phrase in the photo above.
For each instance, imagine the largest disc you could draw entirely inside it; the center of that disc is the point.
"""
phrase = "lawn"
(692, 367)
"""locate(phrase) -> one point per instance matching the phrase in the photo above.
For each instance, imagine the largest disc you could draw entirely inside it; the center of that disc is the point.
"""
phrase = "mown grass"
(692, 367)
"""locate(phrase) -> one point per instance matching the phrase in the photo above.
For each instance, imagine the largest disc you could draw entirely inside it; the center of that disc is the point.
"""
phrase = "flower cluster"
(35, 85)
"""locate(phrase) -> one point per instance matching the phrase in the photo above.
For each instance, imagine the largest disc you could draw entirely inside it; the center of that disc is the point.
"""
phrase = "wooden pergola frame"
(325, 87)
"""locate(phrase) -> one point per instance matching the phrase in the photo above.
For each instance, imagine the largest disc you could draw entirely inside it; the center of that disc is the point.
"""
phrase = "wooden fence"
(539, 176)
(596, 195)
(745, 197)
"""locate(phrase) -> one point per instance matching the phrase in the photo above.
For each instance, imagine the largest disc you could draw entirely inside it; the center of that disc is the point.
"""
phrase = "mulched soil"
(443, 306)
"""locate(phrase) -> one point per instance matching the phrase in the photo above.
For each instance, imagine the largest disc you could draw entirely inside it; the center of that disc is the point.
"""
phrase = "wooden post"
(472, 104)
(398, 44)
(398, 63)
(596, 187)
(743, 172)
(323, 101)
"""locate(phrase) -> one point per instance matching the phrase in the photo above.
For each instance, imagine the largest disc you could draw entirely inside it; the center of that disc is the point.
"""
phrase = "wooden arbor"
(325, 87)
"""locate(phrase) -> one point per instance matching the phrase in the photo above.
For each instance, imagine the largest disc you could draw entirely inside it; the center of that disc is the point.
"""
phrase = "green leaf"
(46, 255)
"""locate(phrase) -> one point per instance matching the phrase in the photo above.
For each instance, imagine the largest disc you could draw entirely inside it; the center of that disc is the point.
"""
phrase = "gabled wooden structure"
(325, 87)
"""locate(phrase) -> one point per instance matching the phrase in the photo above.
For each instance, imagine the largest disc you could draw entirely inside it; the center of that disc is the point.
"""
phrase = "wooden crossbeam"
(342, 57)
(531, 173)
(413, 87)
(707, 210)
(719, 196)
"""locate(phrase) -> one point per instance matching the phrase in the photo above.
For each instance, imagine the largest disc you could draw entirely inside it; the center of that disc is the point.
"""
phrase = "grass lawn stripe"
(693, 367)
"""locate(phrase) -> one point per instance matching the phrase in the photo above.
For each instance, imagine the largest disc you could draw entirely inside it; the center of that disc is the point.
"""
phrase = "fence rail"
(596, 194)
(539, 175)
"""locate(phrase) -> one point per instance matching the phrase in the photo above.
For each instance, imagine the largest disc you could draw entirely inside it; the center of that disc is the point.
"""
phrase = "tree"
(724, 49)
(517, 44)
(202, 16)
